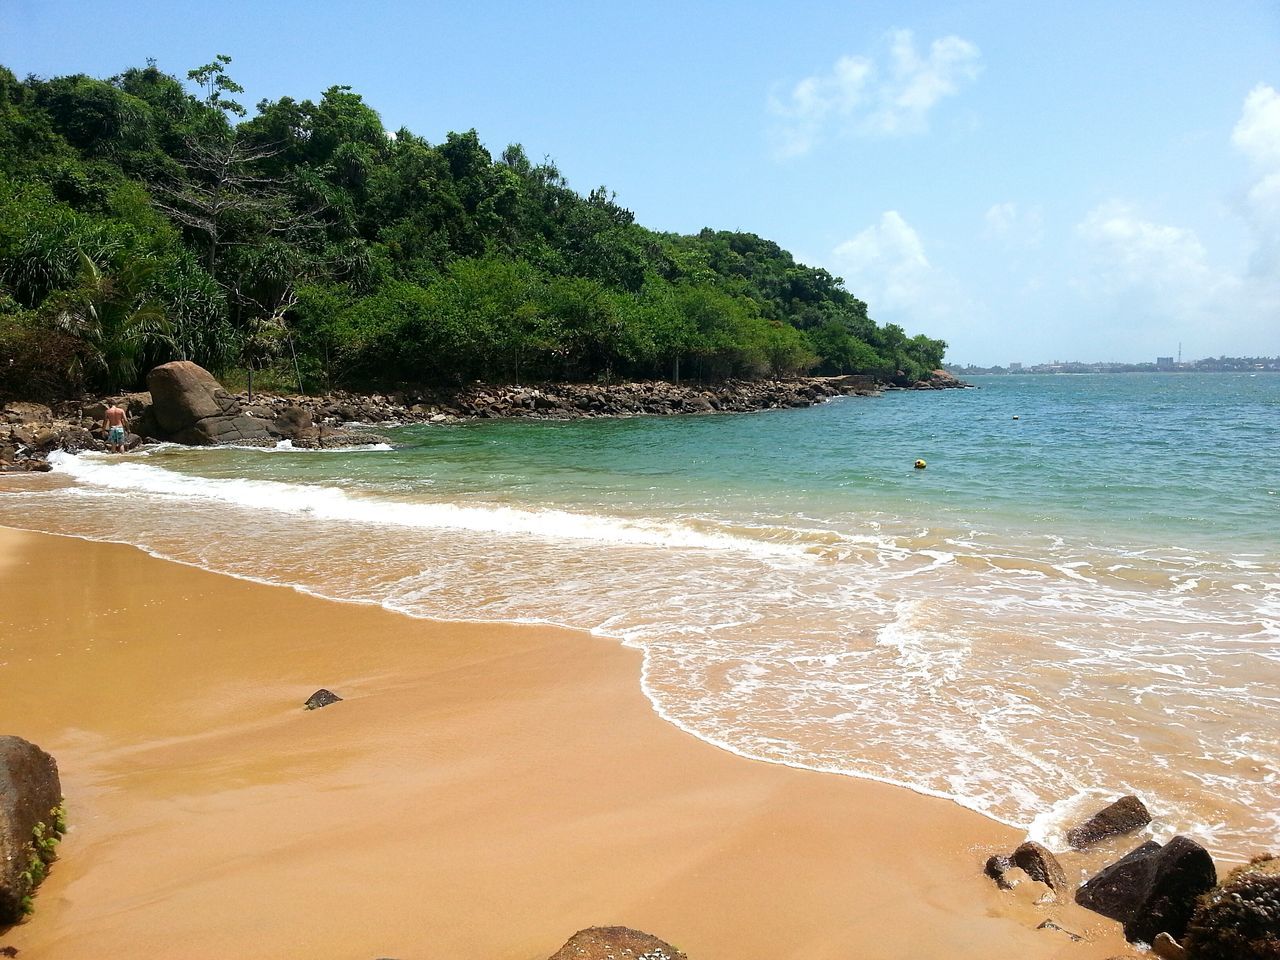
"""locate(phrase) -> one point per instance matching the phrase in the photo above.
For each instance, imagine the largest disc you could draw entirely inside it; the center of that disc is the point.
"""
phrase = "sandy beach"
(482, 792)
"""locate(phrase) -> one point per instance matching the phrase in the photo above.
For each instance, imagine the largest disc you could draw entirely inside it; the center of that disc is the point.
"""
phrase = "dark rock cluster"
(560, 401)
(29, 431)
(1162, 894)
(186, 404)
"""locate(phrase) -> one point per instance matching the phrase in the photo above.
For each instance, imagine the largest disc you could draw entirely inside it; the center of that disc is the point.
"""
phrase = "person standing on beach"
(113, 422)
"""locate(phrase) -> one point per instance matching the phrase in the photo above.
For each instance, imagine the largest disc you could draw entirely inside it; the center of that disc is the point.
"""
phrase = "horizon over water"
(1064, 607)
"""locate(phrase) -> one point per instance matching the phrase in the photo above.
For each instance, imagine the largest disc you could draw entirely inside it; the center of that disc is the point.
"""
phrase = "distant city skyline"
(1019, 180)
(1158, 364)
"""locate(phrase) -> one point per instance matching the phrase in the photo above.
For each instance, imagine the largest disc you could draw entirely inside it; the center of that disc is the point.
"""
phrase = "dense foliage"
(141, 222)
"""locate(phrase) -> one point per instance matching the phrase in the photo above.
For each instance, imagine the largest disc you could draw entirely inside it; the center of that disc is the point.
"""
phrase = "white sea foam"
(331, 503)
(281, 446)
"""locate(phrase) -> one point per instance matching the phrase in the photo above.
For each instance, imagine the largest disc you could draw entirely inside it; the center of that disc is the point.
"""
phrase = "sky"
(1028, 181)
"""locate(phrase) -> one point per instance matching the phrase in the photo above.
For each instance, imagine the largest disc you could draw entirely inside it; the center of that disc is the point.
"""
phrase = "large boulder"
(294, 423)
(30, 823)
(1240, 918)
(1123, 816)
(616, 943)
(1152, 889)
(189, 406)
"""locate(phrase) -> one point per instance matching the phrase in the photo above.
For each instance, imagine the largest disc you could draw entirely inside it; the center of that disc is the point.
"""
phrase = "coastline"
(484, 791)
(30, 431)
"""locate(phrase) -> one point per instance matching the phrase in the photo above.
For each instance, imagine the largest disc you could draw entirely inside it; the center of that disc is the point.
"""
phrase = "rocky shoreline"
(29, 432)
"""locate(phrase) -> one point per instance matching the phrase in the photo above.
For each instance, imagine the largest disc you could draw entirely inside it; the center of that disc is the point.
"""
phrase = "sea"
(1077, 598)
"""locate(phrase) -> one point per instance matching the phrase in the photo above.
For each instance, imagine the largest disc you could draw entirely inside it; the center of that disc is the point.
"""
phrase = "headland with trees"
(144, 219)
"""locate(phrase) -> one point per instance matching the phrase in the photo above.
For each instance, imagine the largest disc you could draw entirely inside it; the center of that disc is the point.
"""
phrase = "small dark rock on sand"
(1035, 861)
(1050, 925)
(616, 943)
(996, 867)
(1040, 864)
(321, 698)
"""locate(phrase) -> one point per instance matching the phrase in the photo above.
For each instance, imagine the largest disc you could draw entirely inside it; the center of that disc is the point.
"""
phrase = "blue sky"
(1028, 181)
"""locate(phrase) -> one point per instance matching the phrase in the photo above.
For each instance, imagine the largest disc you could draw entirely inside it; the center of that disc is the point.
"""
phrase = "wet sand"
(482, 792)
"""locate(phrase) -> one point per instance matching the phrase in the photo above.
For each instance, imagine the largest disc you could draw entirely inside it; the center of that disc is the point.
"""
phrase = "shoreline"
(460, 734)
(652, 699)
(30, 431)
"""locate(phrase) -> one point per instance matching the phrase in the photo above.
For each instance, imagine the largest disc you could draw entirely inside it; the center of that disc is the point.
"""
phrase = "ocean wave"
(280, 446)
(331, 503)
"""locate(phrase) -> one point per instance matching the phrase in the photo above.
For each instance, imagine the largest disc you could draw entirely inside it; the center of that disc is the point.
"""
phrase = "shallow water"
(1063, 607)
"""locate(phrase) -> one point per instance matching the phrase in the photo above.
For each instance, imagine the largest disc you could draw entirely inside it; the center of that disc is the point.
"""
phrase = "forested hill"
(144, 219)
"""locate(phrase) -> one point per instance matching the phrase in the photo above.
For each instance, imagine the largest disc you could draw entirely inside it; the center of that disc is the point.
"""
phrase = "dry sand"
(483, 792)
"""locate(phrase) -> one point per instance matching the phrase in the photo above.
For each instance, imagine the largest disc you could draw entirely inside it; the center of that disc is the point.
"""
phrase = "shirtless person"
(113, 422)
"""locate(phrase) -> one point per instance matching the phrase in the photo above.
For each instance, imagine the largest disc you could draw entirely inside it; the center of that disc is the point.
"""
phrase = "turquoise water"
(1151, 457)
(1079, 596)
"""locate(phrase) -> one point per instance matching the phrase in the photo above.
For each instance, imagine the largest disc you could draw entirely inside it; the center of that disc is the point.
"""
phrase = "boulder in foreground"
(30, 823)
(1153, 889)
(1124, 816)
(616, 943)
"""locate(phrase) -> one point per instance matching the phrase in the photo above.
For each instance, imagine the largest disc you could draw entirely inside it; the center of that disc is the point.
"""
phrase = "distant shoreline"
(1043, 370)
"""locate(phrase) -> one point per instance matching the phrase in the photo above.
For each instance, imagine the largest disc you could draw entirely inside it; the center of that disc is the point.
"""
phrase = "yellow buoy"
(920, 464)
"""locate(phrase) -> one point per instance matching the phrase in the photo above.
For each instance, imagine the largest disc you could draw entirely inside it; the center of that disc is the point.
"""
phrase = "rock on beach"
(616, 943)
(1152, 889)
(1123, 816)
(30, 793)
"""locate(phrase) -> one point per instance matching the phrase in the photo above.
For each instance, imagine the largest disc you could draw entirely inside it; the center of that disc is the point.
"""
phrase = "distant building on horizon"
(1164, 363)
(1015, 368)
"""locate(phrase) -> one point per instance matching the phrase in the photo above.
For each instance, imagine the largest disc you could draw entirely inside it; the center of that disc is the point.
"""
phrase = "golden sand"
(482, 792)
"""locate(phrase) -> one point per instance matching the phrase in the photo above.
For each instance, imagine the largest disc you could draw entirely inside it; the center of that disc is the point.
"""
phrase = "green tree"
(114, 318)
(213, 79)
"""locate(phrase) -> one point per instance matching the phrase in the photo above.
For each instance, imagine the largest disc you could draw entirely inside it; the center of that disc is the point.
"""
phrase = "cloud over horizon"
(886, 265)
(1257, 136)
(859, 96)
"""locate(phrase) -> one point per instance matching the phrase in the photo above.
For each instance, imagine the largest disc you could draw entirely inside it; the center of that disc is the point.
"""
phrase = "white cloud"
(1154, 284)
(1257, 133)
(1151, 279)
(1014, 225)
(1257, 136)
(886, 266)
(1132, 254)
(1146, 273)
(859, 96)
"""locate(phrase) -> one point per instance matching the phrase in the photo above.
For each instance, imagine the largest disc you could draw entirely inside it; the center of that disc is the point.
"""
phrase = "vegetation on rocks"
(45, 838)
(144, 220)
(1240, 918)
